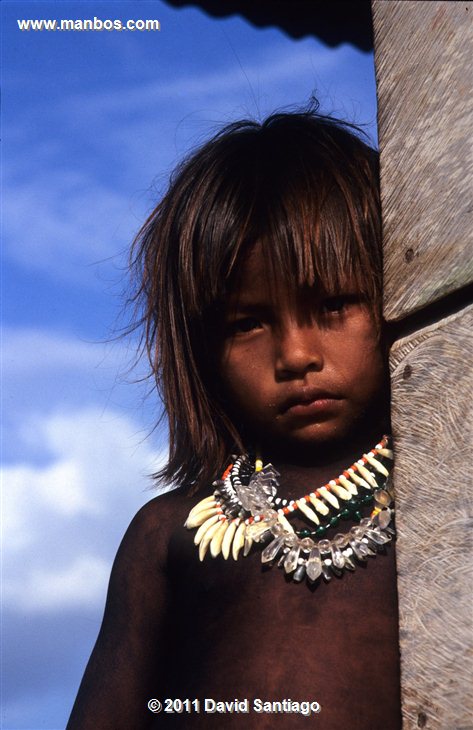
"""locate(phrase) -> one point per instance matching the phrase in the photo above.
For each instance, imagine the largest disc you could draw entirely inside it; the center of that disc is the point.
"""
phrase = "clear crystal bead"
(357, 551)
(349, 564)
(340, 540)
(277, 529)
(292, 557)
(291, 540)
(365, 522)
(271, 550)
(382, 497)
(314, 564)
(371, 544)
(384, 518)
(377, 537)
(365, 548)
(299, 574)
(337, 557)
(324, 546)
(326, 571)
(307, 544)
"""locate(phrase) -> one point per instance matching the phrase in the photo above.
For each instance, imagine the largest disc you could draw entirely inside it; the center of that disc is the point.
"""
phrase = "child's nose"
(298, 350)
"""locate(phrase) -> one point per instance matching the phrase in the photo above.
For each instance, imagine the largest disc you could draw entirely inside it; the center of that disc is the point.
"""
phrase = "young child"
(260, 280)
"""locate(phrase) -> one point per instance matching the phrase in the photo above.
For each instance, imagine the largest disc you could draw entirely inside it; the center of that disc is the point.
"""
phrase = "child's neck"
(309, 457)
(303, 470)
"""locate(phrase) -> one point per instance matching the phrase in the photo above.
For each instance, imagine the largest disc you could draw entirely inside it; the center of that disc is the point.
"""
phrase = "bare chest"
(245, 632)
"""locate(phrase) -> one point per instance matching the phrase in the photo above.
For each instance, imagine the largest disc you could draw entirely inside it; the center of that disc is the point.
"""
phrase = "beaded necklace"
(245, 508)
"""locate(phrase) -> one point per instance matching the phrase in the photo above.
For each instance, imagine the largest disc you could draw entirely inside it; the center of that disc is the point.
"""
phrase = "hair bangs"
(321, 233)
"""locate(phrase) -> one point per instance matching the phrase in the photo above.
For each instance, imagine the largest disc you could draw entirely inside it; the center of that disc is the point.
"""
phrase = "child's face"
(299, 373)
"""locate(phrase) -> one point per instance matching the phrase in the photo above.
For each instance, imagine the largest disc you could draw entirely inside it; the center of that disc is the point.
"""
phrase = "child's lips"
(310, 403)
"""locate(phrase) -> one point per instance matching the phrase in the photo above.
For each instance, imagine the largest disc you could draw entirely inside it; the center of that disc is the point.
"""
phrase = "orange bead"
(227, 472)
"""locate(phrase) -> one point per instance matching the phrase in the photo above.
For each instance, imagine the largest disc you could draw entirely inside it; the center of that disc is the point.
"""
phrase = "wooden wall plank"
(433, 439)
(424, 69)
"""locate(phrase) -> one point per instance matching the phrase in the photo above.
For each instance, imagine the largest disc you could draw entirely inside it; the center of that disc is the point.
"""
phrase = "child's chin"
(313, 436)
(330, 432)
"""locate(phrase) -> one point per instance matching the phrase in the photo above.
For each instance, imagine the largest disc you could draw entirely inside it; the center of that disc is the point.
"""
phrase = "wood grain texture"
(432, 398)
(424, 69)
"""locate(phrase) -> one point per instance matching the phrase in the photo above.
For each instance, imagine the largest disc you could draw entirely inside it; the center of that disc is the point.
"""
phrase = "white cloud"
(59, 489)
(80, 585)
(62, 520)
(46, 371)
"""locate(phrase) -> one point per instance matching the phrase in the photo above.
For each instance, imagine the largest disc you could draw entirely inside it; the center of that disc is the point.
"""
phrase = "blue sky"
(93, 123)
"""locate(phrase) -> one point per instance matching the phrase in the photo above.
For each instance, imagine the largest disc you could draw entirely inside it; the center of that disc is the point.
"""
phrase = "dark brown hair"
(303, 185)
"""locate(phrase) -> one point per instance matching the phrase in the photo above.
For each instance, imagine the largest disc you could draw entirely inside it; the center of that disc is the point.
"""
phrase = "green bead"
(334, 521)
(320, 531)
(304, 533)
(352, 503)
(345, 514)
(367, 498)
(357, 516)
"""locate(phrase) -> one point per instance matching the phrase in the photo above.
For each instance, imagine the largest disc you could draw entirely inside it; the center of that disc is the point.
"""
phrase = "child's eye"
(334, 305)
(245, 324)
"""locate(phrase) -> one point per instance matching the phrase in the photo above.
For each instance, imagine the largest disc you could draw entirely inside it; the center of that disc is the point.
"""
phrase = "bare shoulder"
(147, 537)
(161, 512)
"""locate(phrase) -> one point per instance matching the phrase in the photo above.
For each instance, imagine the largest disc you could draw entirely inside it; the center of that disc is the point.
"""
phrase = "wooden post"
(424, 54)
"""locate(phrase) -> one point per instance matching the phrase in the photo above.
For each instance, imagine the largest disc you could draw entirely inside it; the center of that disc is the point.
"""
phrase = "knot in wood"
(407, 372)
(421, 719)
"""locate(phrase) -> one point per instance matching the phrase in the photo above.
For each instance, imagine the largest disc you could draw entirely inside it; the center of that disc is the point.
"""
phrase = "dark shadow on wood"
(435, 312)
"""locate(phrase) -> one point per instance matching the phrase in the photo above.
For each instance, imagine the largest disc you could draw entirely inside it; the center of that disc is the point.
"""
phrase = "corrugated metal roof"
(333, 21)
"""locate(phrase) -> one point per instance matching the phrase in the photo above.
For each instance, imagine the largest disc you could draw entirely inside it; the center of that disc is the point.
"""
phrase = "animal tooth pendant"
(207, 537)
(329, 497)
(387, 453)
(228, 538)
(204, 504)
(366, 474)
(284, 522)
(204, 527)
(309, 513)
(248, 542)
(341, 492)
(216, 541)
(320, 506)
(238, 540)
(357, 479)
(380, 468)
(200, 517)
(349, 486)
